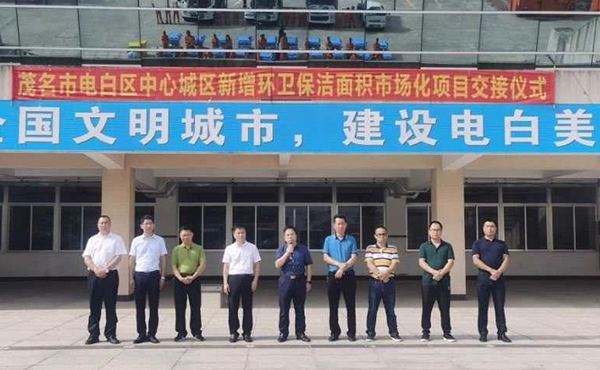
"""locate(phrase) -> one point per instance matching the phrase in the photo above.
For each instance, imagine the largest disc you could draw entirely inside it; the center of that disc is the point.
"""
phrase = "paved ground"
(553, 323)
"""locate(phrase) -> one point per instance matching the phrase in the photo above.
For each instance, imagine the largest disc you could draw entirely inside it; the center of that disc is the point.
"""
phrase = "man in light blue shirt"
(340, 252)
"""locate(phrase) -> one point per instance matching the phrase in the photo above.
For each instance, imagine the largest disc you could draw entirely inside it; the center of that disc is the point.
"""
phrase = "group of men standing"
(241, 271)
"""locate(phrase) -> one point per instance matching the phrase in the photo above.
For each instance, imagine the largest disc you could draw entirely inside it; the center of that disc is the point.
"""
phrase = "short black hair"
(146, 217)
(490, 220)
(106, 217)
(289, 227)
(241, 227)
(435, 222)
(381, 227)
(186, 228)
(340, 217)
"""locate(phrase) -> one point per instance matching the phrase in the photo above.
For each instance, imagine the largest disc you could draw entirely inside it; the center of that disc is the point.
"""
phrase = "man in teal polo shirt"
(436, 258)
(188, 262)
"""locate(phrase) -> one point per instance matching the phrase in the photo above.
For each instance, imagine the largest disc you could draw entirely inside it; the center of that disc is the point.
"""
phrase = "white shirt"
(241, 258)
(102, 249)
(147, 252)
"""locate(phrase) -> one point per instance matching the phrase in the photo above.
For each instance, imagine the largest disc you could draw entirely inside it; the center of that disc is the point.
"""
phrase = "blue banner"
(339, 128)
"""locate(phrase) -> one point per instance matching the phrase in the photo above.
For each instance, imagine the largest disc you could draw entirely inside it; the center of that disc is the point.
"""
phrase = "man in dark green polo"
(436, 258)
(189, 262)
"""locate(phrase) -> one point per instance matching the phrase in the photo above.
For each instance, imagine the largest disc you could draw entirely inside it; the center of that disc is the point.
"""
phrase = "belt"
(295, 277)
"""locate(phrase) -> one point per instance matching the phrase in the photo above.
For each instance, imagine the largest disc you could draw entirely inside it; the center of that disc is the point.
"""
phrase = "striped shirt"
(382, 257)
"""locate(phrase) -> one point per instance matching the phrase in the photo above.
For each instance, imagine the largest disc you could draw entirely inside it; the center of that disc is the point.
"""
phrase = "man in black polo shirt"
(490, 255)
(436, 258)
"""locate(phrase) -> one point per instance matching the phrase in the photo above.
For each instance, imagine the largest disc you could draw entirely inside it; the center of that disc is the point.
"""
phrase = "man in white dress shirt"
(241, 269)
(102, 254)
(147, 263)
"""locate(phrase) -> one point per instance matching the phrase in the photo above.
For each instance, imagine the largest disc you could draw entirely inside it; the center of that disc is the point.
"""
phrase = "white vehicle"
(196, 16)
(264, 17)
(321, 18)
(373, 20)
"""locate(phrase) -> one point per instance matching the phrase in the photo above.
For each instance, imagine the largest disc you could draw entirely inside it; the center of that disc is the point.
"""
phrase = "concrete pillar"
(447, 206)
(118, 200)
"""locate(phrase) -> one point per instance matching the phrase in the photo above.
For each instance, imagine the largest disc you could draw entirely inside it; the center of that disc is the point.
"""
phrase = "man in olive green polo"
(436, 258)
(189, 262)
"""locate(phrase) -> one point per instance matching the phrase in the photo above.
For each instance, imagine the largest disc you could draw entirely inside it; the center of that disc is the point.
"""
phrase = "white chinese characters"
(574, 127)
(203, 127)
(262, 131)
(95, 131)
(363, 128)
(470, 127)
(416, 129)
(149, 122)
(39, 125)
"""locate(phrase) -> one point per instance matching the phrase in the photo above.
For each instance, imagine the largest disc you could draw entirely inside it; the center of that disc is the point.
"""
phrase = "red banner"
(294, 84)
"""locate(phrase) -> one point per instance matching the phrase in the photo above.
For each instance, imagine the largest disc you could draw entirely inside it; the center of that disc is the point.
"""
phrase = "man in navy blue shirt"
(295, 281)
(341, 253)
(490, 255)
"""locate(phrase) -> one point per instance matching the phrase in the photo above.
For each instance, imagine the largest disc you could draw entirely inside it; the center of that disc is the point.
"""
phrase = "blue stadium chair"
(388, 57)
(293, 42)
(336, 42)
(314, 43)
(243, 42)
(200, 41)
(359, 43)
(219, 54)
(175, 38)
(221, 39)
(293, 56)
(366, 56)
(133, 55)
(338, 56)
(271, 42)
(267, 56)
(383, 44)
(317, 56)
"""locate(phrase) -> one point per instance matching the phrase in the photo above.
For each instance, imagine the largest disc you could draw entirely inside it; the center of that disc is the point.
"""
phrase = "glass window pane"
(91, 214)
(31, 194)
(470, 227)
(214, 227)
(372, 217)
(573, 33)
(484, 214)
(537, 235)
(417, 221)
(360, 195)
(308, 194)
(144, 198)
(141, 211)
(585, 228)
(352, 214)
(255, 194)
(422, 197)
(203, 194)
(524, 195)
(562, 227)
(20, 227)
(58, 28)
(191, 216)
(297, 216)
(80, 194)
(244, 216)
(481, 195)
(70, 228)
(43, 221)
(267, 227)
(320, 225)
(514, 227)
(574, 195)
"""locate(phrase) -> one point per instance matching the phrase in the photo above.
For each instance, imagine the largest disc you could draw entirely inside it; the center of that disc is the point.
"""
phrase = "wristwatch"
(163, 278)
(309, 282)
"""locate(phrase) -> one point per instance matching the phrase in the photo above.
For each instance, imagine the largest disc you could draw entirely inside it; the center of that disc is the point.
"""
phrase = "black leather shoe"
(153, 339)
(247, 338)
(139, 340)
(233, 338)
(92, 339)
(179, 338)
(199, 337)
(352, 337)
(483, 338)
(504, 338)
(302, 337)
(113, 340)
(333, 337)
(282, 338)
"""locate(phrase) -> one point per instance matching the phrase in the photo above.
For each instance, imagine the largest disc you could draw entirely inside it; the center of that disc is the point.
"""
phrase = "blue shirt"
(339, 249)
(491, 252)
(297, 261)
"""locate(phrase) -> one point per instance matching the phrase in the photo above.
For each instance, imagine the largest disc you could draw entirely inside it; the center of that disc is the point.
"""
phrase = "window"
(585, 228)
(31, 228)
(481, 194)
(562, 228)
(417, 221)
(31, 194)
(574, 227)
(475, 217)
(362, 221)
(261, 223)
(297, 216)
(537, 234)
(573, 195)
(530, 194)
(207, 223)
(360, 194)
(202, 194)
(514, 227)
(80, 194)
(319, 225)
(303, 194)
(255, 194)
(77, 225)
